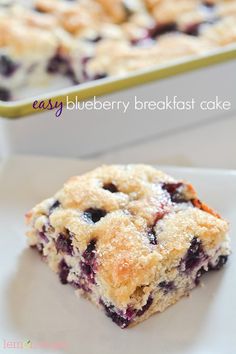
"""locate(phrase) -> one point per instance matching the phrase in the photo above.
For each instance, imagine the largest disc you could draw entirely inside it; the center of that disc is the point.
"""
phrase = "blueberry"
(220, 263)
(145, 307)
(88, 264)
(118, 319)
(64, 270)
(111, 187)
(194, 255)
(95, 214)
(60, 64)
(5, 94)
(159, 30)
(64, 243)
(175, 192)
(90, 252)
(167, 286)
(7, 66)
(87, 269)
(57, 64)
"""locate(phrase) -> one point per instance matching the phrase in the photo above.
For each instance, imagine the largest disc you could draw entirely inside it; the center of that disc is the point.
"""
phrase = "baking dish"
(107, 86)
(90, 133)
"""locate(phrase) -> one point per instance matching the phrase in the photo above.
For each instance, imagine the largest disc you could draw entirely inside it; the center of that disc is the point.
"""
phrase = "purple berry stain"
(88, 264)
(64, 270)
(167, 286)
(121, 320)
(64, 243)
(175, 192)
(43, 236)
(60, 64)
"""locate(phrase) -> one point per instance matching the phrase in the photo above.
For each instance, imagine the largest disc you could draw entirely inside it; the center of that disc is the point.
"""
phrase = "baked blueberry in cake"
(52, 44)
(130, 238)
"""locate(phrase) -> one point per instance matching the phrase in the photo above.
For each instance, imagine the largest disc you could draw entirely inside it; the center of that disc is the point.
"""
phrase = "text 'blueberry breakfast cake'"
(130, 238)
(59, 43)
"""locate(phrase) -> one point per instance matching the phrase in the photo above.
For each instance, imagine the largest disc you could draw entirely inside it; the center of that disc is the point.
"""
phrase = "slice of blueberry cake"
(130, 238)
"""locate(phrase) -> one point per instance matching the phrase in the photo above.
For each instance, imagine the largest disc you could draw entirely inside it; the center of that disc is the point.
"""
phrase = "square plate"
(35, 307)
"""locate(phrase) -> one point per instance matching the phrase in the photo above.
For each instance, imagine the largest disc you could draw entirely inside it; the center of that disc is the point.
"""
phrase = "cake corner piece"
(130, 238)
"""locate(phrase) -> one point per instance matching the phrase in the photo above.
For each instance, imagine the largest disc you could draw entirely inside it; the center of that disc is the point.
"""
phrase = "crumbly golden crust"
(79, 17)
(125, 58)
(168, 11)
(115, 9)
(29, 34)
(134, 199)
(223, 32)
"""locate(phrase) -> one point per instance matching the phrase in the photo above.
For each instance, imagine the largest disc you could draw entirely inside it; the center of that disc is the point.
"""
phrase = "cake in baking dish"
(51, 44)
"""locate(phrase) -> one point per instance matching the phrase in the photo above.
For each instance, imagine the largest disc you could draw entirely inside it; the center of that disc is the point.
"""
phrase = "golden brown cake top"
(136, 34)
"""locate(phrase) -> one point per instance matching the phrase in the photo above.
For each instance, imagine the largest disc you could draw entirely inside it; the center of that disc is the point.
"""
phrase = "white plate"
(35, 306)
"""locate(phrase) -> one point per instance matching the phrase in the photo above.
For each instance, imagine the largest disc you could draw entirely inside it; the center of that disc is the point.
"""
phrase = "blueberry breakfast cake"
(58, 43)
(130, 238)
